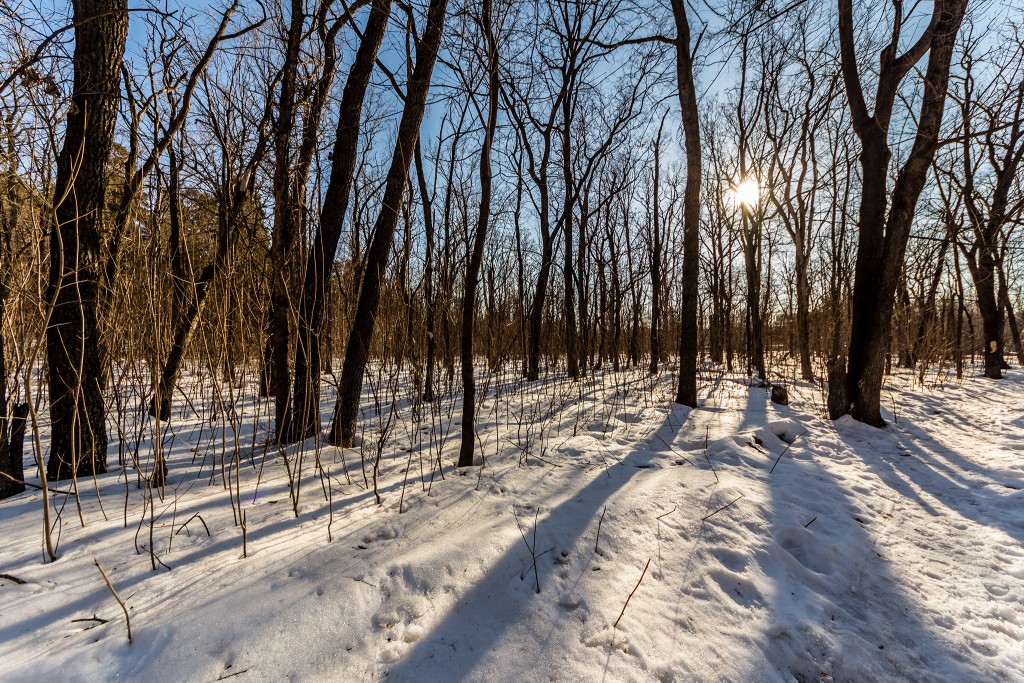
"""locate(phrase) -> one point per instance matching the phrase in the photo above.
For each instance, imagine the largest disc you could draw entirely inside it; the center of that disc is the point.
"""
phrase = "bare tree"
(320, 258)
(476, 256)
(686, 393)
(884, 224)
(990, 138)
(357, 352)
(792, 126)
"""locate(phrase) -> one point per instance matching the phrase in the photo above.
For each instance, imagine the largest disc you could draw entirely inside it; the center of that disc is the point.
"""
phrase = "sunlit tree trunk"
(77, 411)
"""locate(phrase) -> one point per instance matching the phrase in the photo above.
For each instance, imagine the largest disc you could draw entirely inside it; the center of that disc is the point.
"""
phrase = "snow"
(865, 554)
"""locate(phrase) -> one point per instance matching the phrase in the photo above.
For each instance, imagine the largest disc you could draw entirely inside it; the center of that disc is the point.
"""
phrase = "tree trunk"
(539, 294)
(77, 412)
(568, 279)
(12, 456)
(428, 277)
(176, 240)
(184, 326)
(520, 262)
(285, 233)
(479, 239)
(803, 319)
(883, 239)
(320, 259)
(928, 314)
(358, 350)
(1011, 316)
(686, 393)
(991, 313)
(10, 463)
(656, 284)
(752, 263)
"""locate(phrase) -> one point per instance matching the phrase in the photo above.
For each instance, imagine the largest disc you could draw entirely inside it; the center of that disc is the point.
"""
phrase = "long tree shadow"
(832, 577)
(494, 609)
(926, 466)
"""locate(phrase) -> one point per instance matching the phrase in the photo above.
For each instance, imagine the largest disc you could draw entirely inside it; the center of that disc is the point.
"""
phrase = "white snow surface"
(866, 555)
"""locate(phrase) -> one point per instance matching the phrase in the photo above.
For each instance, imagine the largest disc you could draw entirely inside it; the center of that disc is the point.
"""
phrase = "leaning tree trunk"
(175, 242)
(78, 416)
(320, 259)
(231, 201)
(357, 352)
(184, 326)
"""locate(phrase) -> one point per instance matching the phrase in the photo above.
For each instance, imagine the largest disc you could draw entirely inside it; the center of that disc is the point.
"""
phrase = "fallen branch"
(707, 517)
(98, 620)
(127, 619)
(642, 575)
(788, 446)
(15, 579)
(707, 432)
(673, 449)
(598, 539)
(666, 514)
(37, 487)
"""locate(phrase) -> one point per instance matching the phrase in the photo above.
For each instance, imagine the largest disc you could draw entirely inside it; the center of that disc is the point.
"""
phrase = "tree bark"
(231, 199)
(928, 312)
(656, 284)
(568, 278)
(77, 411)
(541, 290)
(428, 277)
(1011, 317)
(285, 233)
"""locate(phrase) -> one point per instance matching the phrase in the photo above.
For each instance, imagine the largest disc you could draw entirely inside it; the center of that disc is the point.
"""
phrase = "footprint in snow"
(805, 548)
(386, 532)
(404, 603)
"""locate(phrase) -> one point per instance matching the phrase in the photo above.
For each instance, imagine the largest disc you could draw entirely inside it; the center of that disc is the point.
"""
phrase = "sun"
(748, 192)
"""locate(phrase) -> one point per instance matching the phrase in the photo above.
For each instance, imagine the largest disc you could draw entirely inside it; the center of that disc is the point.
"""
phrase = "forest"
(388, 340)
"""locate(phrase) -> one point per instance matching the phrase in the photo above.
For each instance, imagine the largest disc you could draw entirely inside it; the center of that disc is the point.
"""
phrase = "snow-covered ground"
(609, 536)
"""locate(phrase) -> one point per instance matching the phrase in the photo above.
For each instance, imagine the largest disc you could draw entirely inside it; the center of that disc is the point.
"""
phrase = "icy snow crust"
(867, 554)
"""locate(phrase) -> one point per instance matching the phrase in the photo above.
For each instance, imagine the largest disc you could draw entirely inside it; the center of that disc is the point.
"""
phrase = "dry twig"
(127, 619)
(642, 575)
